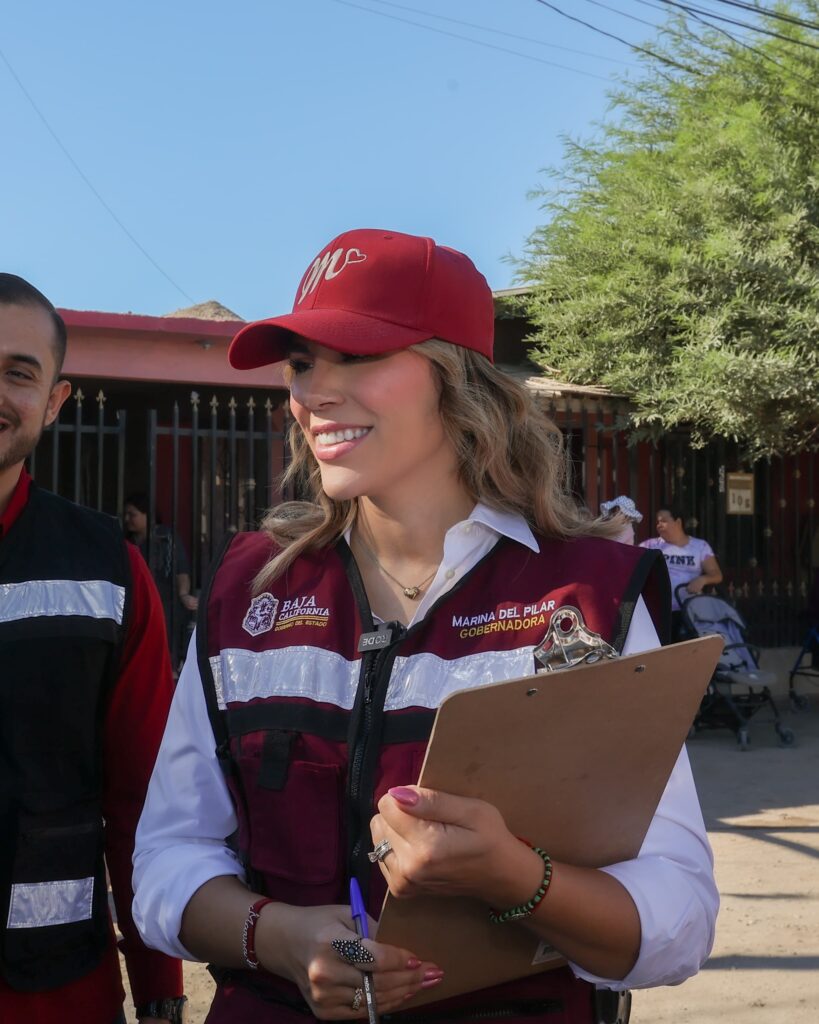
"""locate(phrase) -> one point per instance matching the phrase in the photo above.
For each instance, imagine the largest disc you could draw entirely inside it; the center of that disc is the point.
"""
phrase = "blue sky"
(234, 140)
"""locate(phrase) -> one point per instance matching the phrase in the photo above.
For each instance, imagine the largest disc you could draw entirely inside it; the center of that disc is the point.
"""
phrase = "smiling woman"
(327, 640)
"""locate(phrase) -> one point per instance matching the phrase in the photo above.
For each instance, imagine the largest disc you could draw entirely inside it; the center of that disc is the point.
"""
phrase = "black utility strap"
(328, 723)
(215, 714)
(650, 574)
(275, 759)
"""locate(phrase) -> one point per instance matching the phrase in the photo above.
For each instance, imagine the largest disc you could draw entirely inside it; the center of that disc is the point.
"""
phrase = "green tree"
(679, 265)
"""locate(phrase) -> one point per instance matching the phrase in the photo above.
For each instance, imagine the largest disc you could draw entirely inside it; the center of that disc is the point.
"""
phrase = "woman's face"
(136, 522)
(667, 526)
(372, 422)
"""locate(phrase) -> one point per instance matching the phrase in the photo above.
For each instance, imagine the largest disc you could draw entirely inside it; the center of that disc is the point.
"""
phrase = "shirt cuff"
(181, 871)
(677, 931)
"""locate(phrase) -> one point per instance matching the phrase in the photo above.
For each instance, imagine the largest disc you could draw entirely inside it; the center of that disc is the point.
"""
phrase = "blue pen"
(359, 915)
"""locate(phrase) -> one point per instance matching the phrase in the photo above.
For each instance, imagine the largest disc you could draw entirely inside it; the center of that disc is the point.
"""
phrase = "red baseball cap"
(372, 291)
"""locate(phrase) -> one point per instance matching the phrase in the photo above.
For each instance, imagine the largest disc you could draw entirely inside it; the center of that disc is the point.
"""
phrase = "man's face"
(30, 399)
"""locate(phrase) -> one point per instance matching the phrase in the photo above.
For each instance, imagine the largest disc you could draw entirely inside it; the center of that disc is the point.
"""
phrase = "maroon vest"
(317, 712)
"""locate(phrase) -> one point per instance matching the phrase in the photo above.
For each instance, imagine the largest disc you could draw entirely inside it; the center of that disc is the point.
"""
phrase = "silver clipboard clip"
(569, 642)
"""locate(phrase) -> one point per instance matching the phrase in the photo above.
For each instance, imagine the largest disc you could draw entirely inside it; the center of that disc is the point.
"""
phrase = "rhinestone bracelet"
(527, 908)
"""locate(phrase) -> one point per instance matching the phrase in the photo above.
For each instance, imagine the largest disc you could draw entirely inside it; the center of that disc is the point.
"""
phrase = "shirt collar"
(507, 524)
(17, 502)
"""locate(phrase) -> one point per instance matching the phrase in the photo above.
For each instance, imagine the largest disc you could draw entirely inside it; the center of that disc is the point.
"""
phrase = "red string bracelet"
(249, 933)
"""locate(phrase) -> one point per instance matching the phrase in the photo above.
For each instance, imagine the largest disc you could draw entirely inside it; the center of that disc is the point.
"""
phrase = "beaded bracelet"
(249, 933)
(527, 908)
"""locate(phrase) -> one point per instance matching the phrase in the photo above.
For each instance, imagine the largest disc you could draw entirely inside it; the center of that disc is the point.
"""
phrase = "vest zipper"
(360, 789)
(367, 716)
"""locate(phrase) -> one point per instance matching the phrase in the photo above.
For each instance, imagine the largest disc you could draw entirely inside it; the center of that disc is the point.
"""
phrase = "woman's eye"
(298, 365)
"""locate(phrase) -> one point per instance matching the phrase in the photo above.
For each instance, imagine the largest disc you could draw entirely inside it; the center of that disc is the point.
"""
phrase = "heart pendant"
(411, 592)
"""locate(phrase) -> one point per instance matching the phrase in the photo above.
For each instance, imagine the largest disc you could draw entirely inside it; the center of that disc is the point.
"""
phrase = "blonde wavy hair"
(511, 457)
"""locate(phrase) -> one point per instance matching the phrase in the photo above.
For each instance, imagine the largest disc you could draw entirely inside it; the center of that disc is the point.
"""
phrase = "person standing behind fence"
(85, 688)
(691, 561)
(165, 548)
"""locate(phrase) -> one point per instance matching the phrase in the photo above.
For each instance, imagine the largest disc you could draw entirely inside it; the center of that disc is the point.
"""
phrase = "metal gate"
(207, 473)
(760, 518)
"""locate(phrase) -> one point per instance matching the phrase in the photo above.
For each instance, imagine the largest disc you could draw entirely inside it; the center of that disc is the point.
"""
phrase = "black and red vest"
(317, 713)
(64, 602)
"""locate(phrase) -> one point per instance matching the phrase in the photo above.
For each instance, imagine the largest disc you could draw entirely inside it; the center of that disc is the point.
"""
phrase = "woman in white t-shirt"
(690, 560)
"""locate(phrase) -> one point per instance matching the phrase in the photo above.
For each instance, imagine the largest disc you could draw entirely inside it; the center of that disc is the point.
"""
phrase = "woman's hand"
(444, 845)
(327, 982)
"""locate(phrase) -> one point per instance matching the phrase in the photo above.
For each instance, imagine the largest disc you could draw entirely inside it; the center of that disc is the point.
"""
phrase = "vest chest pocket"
(293, 808)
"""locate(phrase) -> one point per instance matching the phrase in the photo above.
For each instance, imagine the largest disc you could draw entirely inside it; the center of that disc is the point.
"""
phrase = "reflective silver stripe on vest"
(95, 599)
(423, 680)
(39, 904)
(312, 672)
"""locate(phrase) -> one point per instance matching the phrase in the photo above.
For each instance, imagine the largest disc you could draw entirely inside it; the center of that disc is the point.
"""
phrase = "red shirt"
(133, 729)
(17, 501)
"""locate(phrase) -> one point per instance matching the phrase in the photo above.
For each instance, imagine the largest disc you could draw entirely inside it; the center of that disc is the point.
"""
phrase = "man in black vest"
(85, 687)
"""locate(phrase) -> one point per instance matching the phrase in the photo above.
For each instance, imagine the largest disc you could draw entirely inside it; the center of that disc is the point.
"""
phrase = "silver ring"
(352, 951)
(358, 997)
(379, 851)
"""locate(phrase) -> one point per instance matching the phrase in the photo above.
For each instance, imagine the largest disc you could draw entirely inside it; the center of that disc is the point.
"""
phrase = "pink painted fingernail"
(404, 795)
(412, 963)
(431, 982)
(433, 974)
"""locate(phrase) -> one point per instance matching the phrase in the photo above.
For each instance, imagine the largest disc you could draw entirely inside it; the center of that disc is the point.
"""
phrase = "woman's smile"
(331, 441)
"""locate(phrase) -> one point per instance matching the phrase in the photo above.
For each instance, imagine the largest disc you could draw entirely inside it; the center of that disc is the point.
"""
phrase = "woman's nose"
(317, 388)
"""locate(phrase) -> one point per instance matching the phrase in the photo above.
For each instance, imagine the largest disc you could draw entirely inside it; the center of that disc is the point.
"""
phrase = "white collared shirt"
(188, 809)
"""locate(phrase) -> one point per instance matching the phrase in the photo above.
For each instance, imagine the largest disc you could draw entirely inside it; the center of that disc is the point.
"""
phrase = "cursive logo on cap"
(328, 266)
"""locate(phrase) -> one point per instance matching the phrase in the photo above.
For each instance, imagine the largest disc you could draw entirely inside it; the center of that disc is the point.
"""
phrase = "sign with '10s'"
(739, 494)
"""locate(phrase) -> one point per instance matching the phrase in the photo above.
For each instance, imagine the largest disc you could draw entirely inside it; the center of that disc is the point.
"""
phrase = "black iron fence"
(203, 472)
(761, 518)
(210, 467)
(82, 456)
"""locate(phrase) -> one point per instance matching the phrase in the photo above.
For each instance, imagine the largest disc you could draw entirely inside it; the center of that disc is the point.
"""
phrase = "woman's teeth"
(337, 436)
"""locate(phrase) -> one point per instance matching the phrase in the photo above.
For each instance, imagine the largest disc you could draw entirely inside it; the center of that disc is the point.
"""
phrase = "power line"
(687, 34)
(615, 10)
(466, 39)
(88, 182)
(742, 24)
(632, 46)
(766, 12)
(734, 39)
(500, 32)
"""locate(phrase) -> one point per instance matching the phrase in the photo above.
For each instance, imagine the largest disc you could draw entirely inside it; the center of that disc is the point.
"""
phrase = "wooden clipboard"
(576, 761)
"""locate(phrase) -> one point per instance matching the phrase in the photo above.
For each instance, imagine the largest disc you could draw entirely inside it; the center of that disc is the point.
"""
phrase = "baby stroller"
(738, 688)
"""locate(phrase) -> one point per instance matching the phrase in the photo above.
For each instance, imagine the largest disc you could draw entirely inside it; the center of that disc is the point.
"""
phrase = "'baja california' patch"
(261, 614)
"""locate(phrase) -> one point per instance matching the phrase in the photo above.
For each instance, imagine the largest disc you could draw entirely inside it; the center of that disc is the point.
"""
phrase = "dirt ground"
(762, 812)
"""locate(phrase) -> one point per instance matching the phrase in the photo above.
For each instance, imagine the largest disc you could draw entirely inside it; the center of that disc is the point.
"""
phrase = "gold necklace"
(410, 592)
